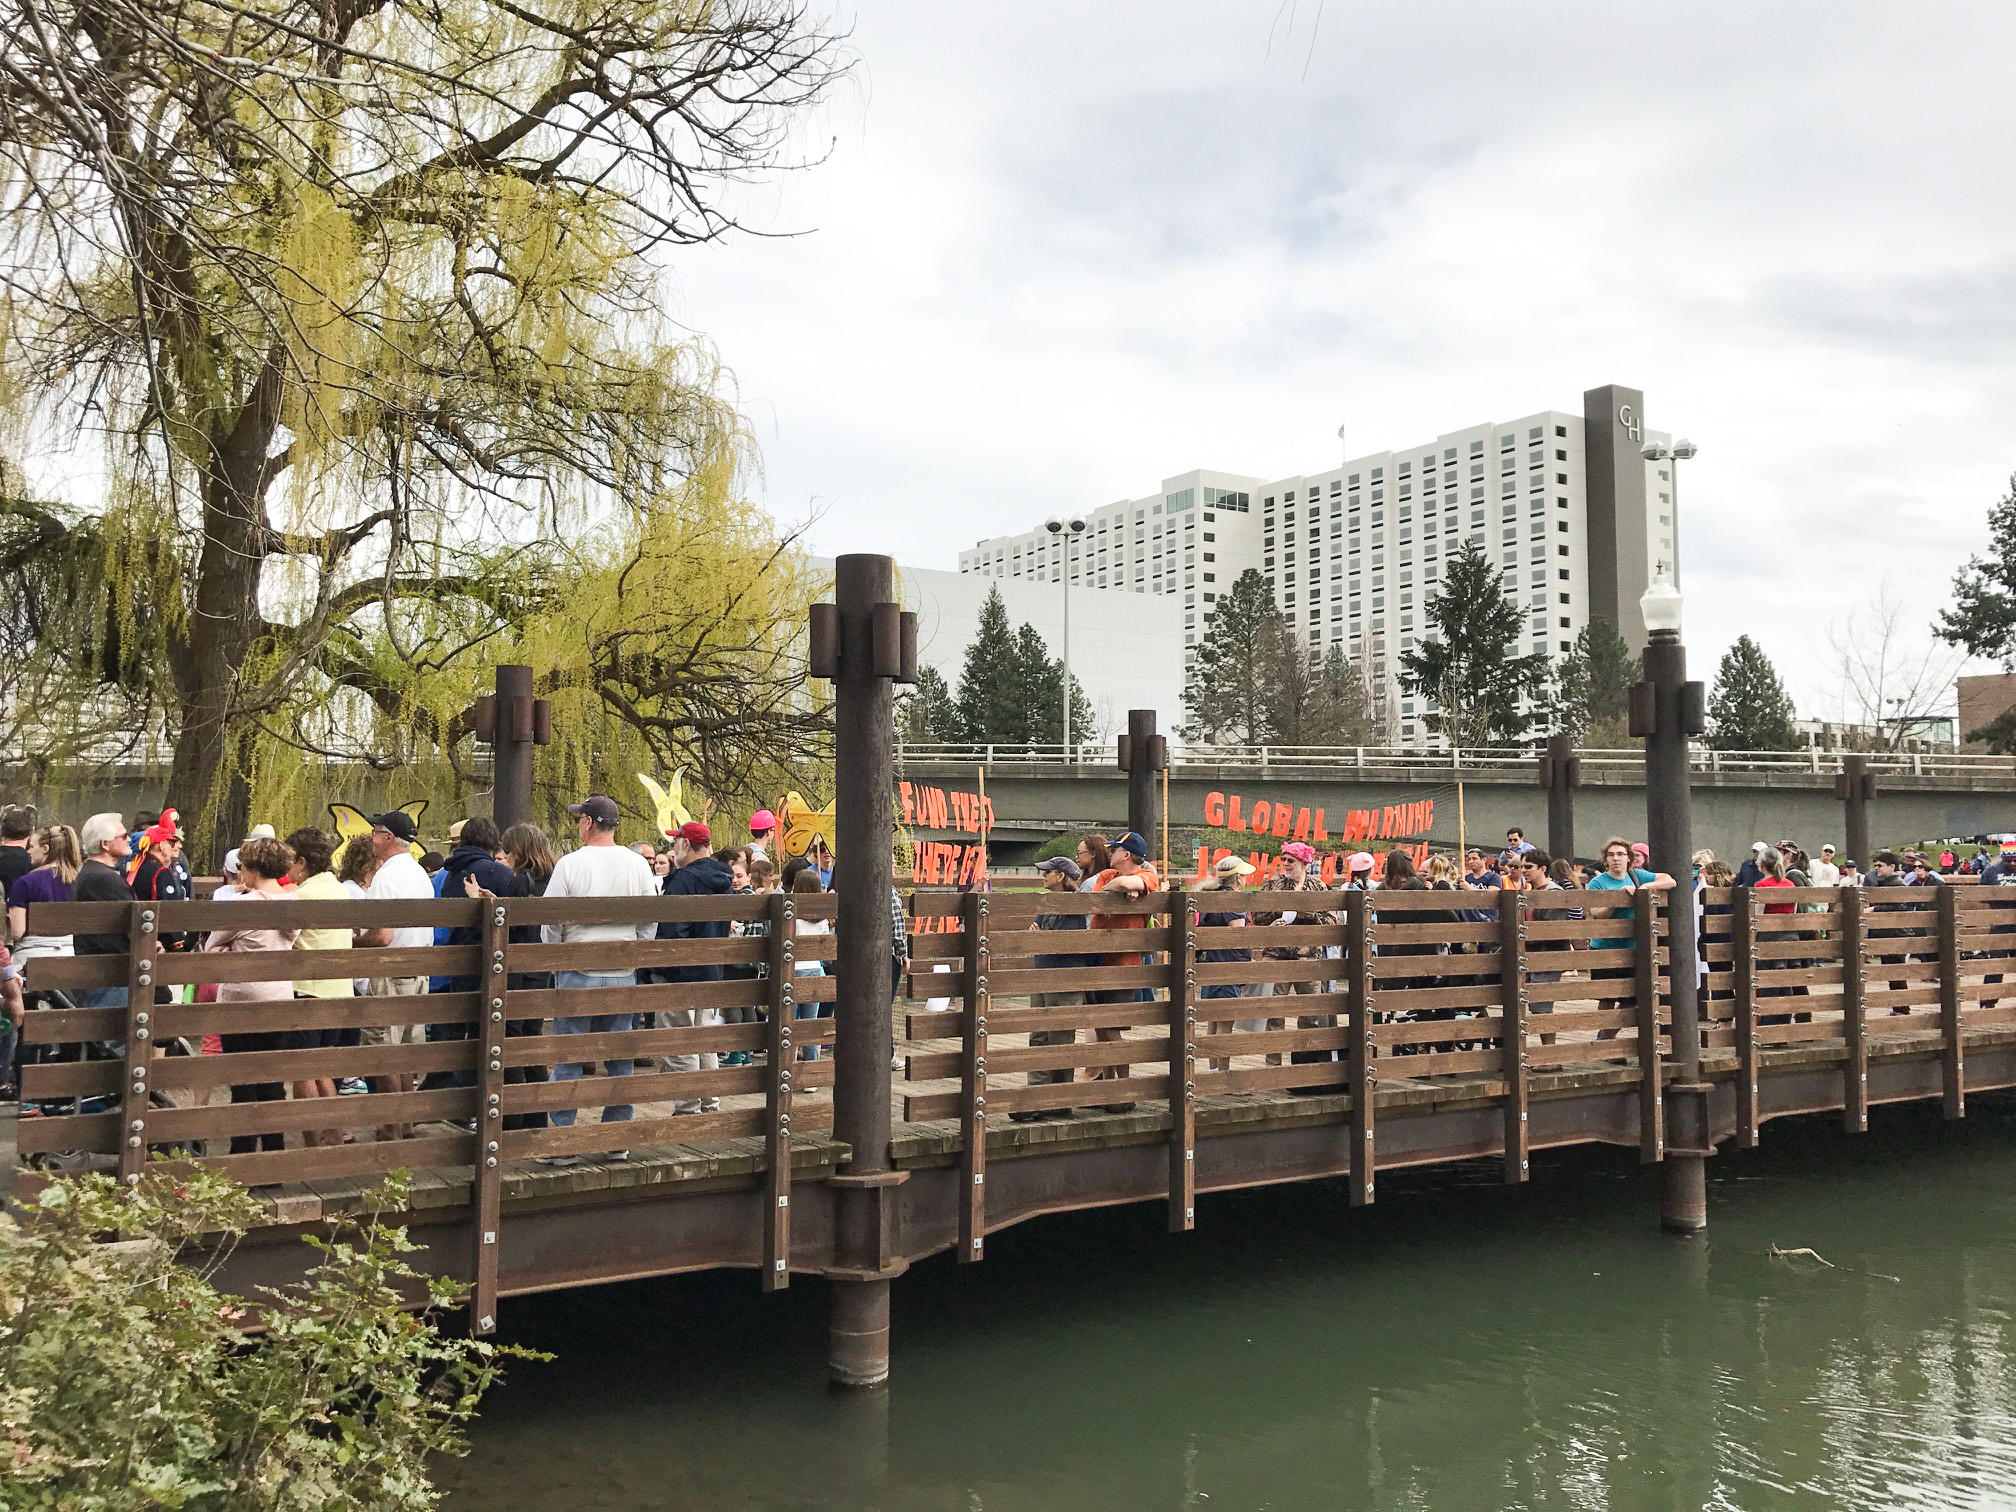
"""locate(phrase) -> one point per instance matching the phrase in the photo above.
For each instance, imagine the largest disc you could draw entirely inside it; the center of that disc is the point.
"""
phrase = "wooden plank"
(145, 946)
(973, 1084)
(306, 965)
(1743, 944)
(1396, 1032)
(629, 1044)
(1512, 920)
(1357, 965)
(632, 1134)
(168, 1126)
(1443, 1063)
(1854, 1014)
(928, 1107)
(1182, 1066)
(487, 1195)
(1086, 1055)
(1953, 1059)
(777, 1093)
(1651, 1082)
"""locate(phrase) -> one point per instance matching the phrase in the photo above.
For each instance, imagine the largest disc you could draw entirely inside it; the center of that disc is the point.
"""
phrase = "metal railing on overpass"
(1292, 759)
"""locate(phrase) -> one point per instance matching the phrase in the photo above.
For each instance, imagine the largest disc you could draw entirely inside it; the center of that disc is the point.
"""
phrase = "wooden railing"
(1854, 967)
(126, 1082)
(1402, 986)
(1392, 997)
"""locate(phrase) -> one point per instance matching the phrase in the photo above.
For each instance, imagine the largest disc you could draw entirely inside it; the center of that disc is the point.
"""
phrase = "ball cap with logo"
(693, 832)
(601, 809)
(1131, 843)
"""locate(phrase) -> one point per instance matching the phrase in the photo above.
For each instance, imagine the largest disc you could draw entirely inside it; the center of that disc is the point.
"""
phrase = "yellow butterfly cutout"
(670, 803)
(352, 823)
(802, 824)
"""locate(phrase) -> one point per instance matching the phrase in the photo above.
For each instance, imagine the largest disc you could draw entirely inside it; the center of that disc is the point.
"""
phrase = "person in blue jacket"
(696, 872)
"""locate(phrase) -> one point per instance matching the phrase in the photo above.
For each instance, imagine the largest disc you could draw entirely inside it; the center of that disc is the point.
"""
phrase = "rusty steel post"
(1560, 774)
(865, 657)
(1675, 706)
(1855, 786)
(1142, 758)
(511, 797)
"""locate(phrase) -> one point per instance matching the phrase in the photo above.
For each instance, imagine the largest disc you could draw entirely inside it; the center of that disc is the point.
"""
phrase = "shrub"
(129, 1381)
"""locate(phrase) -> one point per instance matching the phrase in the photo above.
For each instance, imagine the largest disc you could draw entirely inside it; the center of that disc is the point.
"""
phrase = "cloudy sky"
(1061, 251)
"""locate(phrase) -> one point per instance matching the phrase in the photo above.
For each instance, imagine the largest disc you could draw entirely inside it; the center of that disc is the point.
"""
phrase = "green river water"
(1460, 1345)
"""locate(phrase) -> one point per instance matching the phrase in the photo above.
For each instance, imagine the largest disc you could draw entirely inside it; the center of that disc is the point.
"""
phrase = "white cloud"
(1062, 251)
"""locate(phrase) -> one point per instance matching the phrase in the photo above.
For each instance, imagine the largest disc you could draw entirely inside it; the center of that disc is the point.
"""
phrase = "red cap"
(693, 832)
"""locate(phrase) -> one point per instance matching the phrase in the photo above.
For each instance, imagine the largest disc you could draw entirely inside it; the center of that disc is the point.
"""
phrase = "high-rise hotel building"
(1578, 521)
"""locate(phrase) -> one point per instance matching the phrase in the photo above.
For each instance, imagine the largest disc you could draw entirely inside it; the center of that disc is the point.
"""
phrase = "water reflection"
(1461, 1345)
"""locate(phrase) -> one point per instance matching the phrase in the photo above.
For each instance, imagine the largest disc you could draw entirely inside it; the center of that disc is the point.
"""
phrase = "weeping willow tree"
(357, 303)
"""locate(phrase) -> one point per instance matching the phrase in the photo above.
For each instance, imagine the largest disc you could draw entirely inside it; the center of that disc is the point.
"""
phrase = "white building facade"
(1575, 518)
(1125, 653)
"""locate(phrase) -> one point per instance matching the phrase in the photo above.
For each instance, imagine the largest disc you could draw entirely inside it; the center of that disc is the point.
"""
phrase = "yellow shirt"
(323, 888)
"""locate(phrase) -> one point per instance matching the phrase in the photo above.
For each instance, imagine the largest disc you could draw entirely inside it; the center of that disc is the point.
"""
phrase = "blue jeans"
(99, 997)
(594, 1023)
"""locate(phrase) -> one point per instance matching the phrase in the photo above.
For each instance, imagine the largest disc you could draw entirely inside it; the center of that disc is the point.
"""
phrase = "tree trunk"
(209, 651)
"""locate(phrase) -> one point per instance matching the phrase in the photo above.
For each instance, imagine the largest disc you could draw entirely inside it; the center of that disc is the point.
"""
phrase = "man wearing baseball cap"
(1750, 873)
(1823, 872)
(598, 868)
(696, 873)
(1130, 876)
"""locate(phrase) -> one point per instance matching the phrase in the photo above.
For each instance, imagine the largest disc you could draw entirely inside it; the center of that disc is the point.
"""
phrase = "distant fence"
(1288, 759)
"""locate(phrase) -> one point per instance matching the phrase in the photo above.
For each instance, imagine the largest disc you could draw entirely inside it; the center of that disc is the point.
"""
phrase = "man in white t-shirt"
(399, 878)
(1823, 872)
(600, 868)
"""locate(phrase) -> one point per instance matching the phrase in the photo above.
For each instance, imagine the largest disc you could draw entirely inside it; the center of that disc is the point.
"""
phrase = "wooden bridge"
(1409, 1028)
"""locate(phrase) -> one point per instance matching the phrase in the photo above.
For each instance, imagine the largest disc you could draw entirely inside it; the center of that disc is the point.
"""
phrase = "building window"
(1560, 430)
(1563, 550)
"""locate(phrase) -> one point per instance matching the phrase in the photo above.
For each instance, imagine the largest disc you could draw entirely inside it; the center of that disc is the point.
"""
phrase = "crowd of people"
(104, 860)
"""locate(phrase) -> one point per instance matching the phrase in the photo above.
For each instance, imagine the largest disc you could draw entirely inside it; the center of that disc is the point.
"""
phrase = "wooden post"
(1854, 1015)
(143, 945)
(1955, 1054)
(1512, 998)
(1182, 1065)
(777, 1120)
(1743, 977)
(1358, 968)
(487, 1039)
(1651, 1055)
(973, 1082)
(1855, 786)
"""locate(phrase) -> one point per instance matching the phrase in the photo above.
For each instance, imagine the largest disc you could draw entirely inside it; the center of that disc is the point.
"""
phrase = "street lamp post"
(1070, 529)
(1680, 451)
(1666, 709)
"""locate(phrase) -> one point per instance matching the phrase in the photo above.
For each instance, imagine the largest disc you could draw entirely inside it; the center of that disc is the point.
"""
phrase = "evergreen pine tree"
(1466, 663)
(1226, 695)
(991, 682)
(1982, 616)
(1748, 708)
(925, 711)
(1592, 686)
(1043, 693)
(1309, 698)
